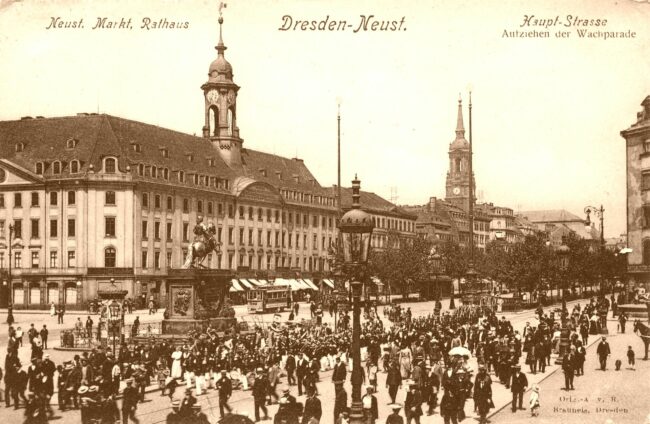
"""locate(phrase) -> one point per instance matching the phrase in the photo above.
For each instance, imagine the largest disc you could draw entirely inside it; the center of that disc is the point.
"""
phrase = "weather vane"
(222, 5)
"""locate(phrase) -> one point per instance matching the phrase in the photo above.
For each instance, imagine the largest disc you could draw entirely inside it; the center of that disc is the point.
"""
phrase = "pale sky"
(546, 112)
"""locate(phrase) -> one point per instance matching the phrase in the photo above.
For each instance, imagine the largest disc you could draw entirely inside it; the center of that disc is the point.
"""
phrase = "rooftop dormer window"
(195, 179)
(137, 147)
(278, 174)
(39, 168)
(141, 169)
(74, 166)
(56, 167)
(190, 157)
(165, 173)
(154, 172)
(110, 165)
(181, 176)
(262, 172)
(211, 162)
(71, 143)
(19, 147)
(164, 152)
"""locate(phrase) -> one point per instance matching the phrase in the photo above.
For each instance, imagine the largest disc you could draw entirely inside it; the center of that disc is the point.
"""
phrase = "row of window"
(196, 179)
(109, 227)
(306, 197)
(244, 213)
(74, 166)
(110, 260)
(394, 224)
(54, 259)
(54, 199)
(279, 239)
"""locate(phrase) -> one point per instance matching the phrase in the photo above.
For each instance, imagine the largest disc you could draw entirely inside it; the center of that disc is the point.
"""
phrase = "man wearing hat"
(413, 404)
(187, 403)
(260, 392)
(483, 393)
(432, 387)
(603, 352)
(130, 398)
(224, 386)
(339, 372)
(174, 416)
(518, 386)
(340, 400)
(313, 409)
(369, 403)
(395, 417)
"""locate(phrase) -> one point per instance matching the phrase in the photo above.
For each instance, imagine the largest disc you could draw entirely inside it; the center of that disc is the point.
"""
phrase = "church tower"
(458, 178)
(220, 96)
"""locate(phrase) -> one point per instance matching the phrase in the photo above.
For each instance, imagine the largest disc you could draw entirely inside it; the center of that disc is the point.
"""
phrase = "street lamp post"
(10, 303)
(565, 332)
(115, 321)
(356, 230)
(602, 310)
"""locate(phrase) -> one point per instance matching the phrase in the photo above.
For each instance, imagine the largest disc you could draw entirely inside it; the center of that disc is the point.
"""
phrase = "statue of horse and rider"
(204, 243)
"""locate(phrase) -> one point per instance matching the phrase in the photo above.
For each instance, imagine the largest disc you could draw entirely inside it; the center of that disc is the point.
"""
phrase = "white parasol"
(460, 351)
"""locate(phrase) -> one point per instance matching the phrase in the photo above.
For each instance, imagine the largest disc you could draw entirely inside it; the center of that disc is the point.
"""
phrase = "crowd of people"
(428, 355)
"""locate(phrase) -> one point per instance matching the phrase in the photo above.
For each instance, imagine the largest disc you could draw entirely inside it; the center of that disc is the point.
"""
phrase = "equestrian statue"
(204, 243)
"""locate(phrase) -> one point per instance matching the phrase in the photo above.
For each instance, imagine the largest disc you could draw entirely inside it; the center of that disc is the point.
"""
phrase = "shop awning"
(246, 284)
(329, 282)
(310, 284)
(236, 286)
(294, 284)
(255, 282)
(262, 282)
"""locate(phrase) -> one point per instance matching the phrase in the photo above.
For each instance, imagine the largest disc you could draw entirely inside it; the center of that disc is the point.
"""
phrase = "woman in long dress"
(405, 361)
(52, 309)
(177, 369)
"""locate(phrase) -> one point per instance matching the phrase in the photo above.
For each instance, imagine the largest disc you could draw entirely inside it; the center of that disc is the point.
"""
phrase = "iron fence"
(80, 338)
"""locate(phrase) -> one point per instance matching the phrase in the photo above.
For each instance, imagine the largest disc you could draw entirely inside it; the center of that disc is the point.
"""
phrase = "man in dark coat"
(313, 409)
(395, 417)
(413, 405)
(130, 398)
(339, 372)
(483, 394)
(433, 387)
(44, 333)
(48, 368)
(261, 390)
(290, 367)
(224, 385)
(603, 352)
(569, 366)
(393, 381)
(301, 371)
(518, 386)
(340, 400)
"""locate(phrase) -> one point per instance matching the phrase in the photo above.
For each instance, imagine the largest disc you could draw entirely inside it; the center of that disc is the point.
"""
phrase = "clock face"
(456, 190)
(212, 96)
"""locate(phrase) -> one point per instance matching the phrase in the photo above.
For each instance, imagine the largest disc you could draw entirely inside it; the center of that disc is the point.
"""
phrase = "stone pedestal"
(635, 310)
(195, 298)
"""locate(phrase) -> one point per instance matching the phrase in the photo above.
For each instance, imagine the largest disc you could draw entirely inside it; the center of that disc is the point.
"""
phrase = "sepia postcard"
(307, 95)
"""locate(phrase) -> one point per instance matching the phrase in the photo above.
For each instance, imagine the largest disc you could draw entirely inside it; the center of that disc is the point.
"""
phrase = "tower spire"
(460, 128)
(220, 46)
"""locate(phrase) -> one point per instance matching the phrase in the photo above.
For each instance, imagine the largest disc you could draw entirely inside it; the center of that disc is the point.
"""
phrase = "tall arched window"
(109, 257)
(646, 252)
(231, 118)
(459, 165)
(213, 116)
(109, 165)
(74, 166)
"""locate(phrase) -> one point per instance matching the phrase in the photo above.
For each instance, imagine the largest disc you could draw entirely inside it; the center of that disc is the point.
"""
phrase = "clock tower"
(458, 178)
(220, 97)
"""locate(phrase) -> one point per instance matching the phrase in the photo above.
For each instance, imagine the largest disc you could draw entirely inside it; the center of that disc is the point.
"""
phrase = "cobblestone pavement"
(599, 396)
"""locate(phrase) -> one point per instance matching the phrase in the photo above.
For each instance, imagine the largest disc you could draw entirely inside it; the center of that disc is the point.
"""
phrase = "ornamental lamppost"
(115, 321)
(563, 253)
(10, 303)
(356, 232)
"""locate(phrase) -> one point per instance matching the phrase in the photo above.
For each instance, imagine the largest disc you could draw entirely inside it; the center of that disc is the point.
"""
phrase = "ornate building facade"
(637, 147)
(97, 202)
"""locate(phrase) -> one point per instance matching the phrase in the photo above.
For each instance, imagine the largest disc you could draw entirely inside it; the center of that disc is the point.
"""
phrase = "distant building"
(637, 148)
(561, 217)
(393, 224)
